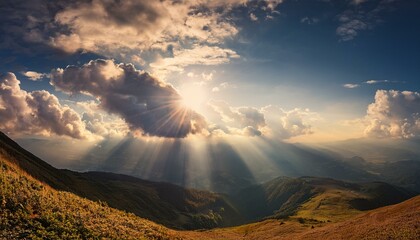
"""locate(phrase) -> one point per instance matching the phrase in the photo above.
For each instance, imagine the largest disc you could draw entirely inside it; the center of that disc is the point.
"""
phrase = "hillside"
(400, 221)
(32, 210)
(164, 203)
(320, 199)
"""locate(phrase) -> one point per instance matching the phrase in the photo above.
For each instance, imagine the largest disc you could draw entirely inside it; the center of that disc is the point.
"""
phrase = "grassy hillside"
(400, 221)
(163, 203)
(319, 199)
(33, 210)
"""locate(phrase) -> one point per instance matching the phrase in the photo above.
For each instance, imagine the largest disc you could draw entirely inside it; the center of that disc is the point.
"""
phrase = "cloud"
(223, 85)
(369, 82)
(140, 24)
(309, 20)
(349, 29)
(351, 85)
(381, 81)
(246, 121)
(357, 2)
(34, 76)
(253, 17)
(100, 123)
(158, 32)
(36, 112)
(287, 124)
(394, 114)
(198, 55)
(361, 17)
(270, 120)
(145, 103)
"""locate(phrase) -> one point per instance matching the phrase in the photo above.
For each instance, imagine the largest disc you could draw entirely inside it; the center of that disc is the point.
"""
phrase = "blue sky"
(290, 70)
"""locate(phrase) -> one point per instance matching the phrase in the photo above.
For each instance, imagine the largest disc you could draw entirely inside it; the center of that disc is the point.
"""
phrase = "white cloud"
(207, 77)
(351, 85)
(34, 76)
(36, 112)
(198, 55)
(253, 17)
(381, 81)
(394, 114)
(100, 123)
(270, 121)
(223, 85)
(285, 124)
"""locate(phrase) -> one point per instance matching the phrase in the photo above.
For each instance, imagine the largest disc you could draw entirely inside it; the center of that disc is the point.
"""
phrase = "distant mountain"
(405, 173)
(322, 199)
(220, 167)
(163, 203)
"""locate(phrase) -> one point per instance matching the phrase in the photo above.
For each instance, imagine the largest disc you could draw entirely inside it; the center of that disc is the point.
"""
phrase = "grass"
(329, 206)
(32, 210)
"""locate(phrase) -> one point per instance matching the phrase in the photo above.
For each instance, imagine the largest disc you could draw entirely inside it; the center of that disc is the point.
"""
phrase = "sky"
(283, 70)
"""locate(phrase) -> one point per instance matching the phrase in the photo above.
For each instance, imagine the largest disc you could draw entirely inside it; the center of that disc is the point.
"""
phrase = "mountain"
(218, 166)
(30, 209)
(400, 221)
(320, 199)
(39, 201)
(407, 175)
(164, 203)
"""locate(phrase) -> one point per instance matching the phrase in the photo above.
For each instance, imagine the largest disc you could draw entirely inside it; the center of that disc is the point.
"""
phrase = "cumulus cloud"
(285, 124)
(145, 103)
(34, 76)
(36, 112)
(394, 114)
(242, 121)
(270, 120)
(100, 123)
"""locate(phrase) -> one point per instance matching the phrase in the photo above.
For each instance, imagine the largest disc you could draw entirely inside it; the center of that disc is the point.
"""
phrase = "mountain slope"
(400, 221)
(30, 209)
(164, 203)
(320, 199)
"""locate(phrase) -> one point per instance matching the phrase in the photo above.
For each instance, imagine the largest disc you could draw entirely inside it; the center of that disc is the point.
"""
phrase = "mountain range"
(39, 200)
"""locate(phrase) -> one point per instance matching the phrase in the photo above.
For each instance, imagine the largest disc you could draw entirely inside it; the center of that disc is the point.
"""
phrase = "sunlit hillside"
(33, 210)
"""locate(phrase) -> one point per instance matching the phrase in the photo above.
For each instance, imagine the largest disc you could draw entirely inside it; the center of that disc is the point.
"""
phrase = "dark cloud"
(37, 112)
(144, 102)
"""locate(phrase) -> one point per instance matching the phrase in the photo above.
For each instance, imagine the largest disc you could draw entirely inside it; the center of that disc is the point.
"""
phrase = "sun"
(193, 96)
